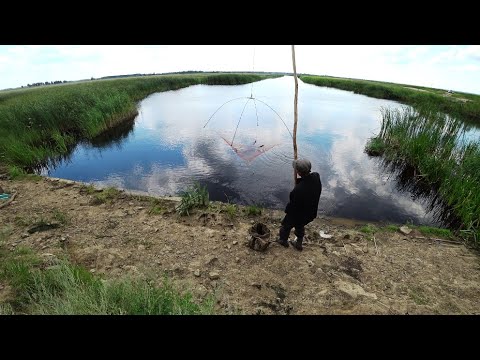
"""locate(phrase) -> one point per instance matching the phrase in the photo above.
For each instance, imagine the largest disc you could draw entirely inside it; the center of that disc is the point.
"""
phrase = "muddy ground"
(206, 252)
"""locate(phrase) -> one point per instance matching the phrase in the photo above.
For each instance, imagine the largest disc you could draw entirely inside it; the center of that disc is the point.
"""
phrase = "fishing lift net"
(247, 150)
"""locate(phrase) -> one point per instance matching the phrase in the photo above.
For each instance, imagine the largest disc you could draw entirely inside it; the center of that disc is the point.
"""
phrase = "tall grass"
(40, 123)
(408, 94)
(253, 210)
(66, 289)
(434, 144)
(195, 196)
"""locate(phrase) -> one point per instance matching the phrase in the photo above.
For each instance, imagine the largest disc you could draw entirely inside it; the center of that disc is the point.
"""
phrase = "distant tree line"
(46, 83)
(167, 73)
(196, 72)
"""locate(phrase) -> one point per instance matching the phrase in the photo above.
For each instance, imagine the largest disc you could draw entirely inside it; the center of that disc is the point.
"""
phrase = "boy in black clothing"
(303, 205)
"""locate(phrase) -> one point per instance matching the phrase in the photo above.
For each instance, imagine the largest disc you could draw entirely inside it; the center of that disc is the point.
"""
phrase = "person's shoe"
(283, 243)
(296, 245)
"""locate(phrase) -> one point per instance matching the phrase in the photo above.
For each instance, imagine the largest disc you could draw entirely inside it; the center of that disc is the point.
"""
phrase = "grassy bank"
(57, 287)
(40, 123)
(434, 145)
(462, 105)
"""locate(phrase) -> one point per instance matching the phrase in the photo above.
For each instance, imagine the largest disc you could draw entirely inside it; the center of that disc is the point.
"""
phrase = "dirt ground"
(207, 252)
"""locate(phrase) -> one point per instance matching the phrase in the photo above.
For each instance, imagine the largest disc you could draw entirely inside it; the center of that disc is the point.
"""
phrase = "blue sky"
(455, 67)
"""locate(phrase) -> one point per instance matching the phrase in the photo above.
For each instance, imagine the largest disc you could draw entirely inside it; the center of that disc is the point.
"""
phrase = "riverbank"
(361, 269)
(40, 124)
(462, 105)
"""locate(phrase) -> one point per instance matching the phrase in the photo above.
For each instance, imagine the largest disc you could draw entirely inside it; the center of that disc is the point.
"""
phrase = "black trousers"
(288, 225)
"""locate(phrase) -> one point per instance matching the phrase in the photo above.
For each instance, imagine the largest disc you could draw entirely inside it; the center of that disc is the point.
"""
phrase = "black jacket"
(304, 198)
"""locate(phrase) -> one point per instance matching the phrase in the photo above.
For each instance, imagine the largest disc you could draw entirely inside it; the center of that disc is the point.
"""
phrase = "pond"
(243, 154)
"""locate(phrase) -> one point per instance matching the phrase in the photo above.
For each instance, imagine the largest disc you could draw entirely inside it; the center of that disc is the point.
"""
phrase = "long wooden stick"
(295, 112)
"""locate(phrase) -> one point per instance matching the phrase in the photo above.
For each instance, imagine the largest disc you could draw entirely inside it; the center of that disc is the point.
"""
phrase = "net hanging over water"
(248, 150)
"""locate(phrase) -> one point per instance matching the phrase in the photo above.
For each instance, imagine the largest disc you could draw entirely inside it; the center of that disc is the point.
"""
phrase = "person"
(303, 205)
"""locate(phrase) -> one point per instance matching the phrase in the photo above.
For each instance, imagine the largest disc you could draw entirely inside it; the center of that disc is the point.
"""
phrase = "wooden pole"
(295, 113)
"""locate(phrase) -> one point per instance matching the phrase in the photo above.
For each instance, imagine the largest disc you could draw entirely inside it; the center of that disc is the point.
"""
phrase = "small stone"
(156, 229)
(229, 246)
(214, 275)
(235, 242)
(237, 259)
(202, 291)
(131, 203)
(405, 230)
(141, 247)
(353, 290)
(310, 263)
(196, 273)
(92, 270)
(25, 235)
(257, 285)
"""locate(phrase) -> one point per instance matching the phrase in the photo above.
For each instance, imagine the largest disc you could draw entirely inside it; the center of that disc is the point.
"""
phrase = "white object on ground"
(325, 236)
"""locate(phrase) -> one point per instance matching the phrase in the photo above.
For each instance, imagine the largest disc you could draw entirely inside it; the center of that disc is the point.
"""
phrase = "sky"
(449, 67)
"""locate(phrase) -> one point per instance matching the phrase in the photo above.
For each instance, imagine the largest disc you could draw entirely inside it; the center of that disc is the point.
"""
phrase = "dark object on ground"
(42, 227)
(283, 243)
(296, 245)
(259, 239)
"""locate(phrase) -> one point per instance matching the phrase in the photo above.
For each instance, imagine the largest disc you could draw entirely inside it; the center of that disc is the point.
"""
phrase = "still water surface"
(167, 148)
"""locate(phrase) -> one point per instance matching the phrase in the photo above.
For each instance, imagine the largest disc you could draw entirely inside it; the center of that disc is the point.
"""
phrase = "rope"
(221, 107)
(278, 116)
(253, 67)
(243, 97)
(256, 111)
(256, 130)
(239, 121)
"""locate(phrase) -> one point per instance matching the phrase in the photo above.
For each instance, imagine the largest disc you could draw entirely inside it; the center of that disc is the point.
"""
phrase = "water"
(167, 148)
